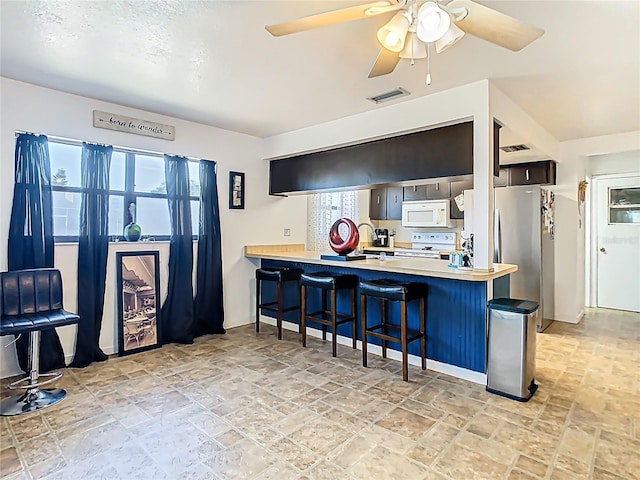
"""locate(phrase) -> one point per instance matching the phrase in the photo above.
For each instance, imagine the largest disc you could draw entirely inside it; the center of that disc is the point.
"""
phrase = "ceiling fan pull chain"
(413, 62)
(428, 64)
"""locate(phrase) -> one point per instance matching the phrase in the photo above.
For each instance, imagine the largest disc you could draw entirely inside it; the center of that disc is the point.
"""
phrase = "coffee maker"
(383, 238)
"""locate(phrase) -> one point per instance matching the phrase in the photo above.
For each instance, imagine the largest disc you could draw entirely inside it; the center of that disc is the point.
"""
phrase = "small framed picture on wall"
(236, 190)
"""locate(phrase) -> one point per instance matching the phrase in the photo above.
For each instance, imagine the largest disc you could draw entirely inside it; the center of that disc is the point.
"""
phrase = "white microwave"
(426, 213)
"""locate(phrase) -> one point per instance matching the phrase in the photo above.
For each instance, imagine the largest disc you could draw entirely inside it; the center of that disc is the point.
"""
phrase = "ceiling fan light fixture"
(433, 22)
(392, 36)
(413, 48)
(452, 36)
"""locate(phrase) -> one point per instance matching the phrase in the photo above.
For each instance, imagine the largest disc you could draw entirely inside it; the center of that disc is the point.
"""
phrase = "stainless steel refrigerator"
(521, 238)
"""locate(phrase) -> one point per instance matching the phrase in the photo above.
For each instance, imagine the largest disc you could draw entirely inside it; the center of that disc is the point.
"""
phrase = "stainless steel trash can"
(511, 364)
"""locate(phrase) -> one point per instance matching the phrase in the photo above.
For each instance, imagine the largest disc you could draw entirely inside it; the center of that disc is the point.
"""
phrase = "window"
(323, 209)
(624, 205)
(134, 177)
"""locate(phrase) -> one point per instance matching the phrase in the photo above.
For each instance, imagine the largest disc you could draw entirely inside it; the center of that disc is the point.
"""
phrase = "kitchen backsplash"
(404, 234)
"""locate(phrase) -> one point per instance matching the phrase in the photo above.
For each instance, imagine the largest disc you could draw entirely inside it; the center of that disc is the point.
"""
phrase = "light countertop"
(409, 265)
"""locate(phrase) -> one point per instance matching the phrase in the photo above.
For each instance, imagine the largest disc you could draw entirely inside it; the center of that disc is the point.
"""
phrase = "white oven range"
(428, 245)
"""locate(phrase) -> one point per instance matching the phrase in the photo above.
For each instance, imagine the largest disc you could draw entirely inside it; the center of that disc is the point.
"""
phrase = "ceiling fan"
(418, 24)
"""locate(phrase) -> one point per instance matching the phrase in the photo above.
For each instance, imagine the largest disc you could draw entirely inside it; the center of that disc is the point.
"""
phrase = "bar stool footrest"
(328, 322)
(411, 334)
(268, 307)
(16, 385)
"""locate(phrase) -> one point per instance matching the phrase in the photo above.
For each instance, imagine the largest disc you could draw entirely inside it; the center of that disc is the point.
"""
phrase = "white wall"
(621, 162)
(569, 220)
(29, 108)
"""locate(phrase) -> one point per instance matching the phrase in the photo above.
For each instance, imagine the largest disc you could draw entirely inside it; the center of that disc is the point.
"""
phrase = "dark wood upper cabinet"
(415, 192)
(430, 154)
(386, 203)
(394, 203)
(533, 173)
(378, 204)
(438, 191)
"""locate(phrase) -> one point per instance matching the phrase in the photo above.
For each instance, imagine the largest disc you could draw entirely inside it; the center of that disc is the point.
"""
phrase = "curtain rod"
(73, 141)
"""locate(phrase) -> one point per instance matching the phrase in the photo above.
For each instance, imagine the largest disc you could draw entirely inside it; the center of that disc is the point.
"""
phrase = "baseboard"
(445, 368)
(573, 321)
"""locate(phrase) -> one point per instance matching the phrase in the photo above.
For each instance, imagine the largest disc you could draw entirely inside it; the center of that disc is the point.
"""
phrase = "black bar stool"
(328, 283)
(390, 291)
(279, 275)
(30, 302)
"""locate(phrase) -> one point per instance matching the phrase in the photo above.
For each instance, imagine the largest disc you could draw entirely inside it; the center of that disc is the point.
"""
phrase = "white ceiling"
(213, 62)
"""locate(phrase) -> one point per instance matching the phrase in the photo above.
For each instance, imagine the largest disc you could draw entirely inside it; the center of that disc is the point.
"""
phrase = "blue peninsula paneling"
(455, 312)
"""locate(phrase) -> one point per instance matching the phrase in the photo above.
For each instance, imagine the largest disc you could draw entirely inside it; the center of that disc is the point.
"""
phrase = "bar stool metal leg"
(34, 398)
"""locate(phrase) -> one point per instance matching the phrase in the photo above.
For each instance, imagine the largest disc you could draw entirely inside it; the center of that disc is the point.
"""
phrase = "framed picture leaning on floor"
(138, 284)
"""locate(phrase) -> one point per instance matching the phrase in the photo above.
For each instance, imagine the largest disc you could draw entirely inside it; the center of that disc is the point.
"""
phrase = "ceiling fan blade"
(385, 63)
(330, 18)
(495, 27)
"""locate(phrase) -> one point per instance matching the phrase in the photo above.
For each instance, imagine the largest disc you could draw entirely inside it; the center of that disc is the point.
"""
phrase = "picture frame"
(236, 190)
(138, 293)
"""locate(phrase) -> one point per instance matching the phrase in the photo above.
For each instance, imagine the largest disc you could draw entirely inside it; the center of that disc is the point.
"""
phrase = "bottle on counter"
(392, 240)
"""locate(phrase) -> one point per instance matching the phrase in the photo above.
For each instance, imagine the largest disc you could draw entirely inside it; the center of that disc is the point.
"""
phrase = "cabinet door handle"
(437, 186)
(395, 199)
(526, 174)
(415, 189)
(378, 199)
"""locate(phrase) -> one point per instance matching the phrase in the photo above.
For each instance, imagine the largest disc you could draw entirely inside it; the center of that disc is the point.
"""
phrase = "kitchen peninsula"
(455, 306)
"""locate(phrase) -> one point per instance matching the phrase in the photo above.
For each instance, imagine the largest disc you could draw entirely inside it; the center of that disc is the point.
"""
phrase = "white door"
(618, 242)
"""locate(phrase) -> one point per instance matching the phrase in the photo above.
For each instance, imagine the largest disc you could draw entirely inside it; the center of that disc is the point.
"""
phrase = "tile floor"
(243, 406)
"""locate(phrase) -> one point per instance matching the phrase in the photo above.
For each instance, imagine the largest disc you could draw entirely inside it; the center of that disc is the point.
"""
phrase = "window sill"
(124, 242)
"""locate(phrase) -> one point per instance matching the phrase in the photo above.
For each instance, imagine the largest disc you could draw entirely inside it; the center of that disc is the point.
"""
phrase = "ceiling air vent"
(514, 148)
(385, 97)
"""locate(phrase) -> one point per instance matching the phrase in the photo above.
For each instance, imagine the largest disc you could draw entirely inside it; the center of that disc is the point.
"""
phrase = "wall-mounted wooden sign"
(111, 121)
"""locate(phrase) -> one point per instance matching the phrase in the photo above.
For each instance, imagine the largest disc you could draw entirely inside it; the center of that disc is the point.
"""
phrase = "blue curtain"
(208, 306)
(93, 244)
(177, 311)
(31, 233)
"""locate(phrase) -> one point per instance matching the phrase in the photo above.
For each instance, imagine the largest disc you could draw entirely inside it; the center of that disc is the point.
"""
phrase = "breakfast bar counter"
(456, 302)
(426, 267)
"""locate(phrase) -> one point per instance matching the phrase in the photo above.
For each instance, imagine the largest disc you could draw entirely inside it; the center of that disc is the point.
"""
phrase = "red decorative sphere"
(337, 243)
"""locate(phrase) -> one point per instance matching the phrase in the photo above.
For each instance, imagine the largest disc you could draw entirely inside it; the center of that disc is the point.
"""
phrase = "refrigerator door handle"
(497, 237)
